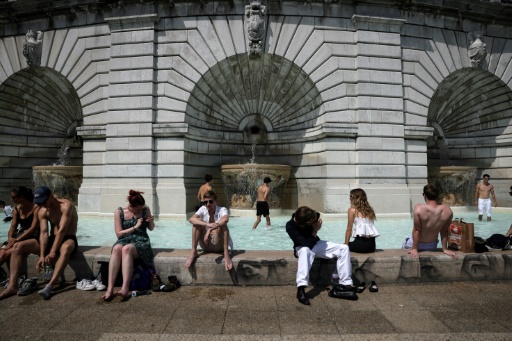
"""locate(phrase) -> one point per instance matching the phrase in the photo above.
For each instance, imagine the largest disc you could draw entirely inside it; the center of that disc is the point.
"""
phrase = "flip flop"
(361, 287)
(373, 287)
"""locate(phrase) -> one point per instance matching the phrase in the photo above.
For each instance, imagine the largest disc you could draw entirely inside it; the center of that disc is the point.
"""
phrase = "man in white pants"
(303, 229)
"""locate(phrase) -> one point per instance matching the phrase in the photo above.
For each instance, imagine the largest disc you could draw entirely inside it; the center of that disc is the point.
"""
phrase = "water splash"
(456, 184)
(63, 155)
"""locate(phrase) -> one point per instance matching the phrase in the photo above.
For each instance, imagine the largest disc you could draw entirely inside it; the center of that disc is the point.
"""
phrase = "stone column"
(129, 157)
(380, 143)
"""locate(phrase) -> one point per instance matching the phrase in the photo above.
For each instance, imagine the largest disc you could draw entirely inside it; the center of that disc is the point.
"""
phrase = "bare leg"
(113, 269)
(268, 220)
(19, 250)
(66, 249)
(197, 234)
(258, 219)
(5, 254)
(129, 253)
(227, 259)
(480, 217)
(488, 218)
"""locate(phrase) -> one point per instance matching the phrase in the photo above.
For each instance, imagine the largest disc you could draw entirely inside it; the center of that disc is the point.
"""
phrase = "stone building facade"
(152, 95)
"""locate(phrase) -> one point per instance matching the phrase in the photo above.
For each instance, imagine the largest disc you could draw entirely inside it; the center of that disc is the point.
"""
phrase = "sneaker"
(7, 281)
(493, 248)
(99, 286)
(28, 286)
(46, 292)
(86, 285)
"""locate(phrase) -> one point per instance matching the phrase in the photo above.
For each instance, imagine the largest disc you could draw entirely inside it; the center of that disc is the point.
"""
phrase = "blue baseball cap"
(41, 194)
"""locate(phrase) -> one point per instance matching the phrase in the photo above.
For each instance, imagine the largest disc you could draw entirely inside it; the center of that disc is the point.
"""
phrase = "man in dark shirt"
(303, 229)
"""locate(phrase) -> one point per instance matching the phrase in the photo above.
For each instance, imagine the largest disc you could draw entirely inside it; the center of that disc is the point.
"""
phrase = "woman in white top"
(360, 223)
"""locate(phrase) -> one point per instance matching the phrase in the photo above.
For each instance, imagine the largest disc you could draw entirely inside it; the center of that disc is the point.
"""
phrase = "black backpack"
(498, 241)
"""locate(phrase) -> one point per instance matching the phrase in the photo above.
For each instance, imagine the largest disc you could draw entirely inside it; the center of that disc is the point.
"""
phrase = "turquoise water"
(176, 234)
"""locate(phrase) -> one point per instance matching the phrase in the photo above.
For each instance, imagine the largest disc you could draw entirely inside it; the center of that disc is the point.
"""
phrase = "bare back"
(202, 190)
(263, 192)
(430, 220)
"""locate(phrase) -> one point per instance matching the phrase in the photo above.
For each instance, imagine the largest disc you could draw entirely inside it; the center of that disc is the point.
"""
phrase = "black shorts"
(262, 208)
(51, 240)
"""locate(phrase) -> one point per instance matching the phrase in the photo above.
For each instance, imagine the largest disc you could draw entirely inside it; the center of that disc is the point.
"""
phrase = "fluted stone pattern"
(348, 95)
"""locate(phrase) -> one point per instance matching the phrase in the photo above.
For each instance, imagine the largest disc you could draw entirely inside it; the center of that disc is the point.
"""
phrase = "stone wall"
(350, 95)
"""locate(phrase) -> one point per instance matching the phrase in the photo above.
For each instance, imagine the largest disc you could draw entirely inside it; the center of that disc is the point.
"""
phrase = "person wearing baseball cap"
(56, 250)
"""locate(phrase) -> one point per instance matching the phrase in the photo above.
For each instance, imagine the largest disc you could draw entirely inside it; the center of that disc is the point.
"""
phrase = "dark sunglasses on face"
(206, 202)
(317, 216)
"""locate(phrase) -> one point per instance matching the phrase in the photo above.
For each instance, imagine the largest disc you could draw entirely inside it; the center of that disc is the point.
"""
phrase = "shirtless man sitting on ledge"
(430, 219)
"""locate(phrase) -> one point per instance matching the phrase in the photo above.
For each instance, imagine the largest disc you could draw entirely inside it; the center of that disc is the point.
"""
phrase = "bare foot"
(123, 294)
(191, 259)
(108, 296)
(8, 293)
(228, 263)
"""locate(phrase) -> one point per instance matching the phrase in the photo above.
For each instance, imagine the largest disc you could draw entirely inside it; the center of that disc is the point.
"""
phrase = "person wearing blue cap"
(55, 249)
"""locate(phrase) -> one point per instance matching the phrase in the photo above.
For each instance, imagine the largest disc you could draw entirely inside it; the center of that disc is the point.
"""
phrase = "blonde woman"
(360, 223)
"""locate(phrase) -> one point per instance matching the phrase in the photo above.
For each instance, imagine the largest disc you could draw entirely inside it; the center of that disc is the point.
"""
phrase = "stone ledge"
(279, 267)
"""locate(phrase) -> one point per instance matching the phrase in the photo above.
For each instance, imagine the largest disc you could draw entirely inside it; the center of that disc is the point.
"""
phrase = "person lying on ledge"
(210, 230)
(63, 219)
(430, 219)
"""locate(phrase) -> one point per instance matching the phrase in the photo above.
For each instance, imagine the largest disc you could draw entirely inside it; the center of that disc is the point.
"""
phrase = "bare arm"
(12, 230)
(494, 197)
(43, 238)
(509, 232)
(416, 233)
(476, 193)
(150, 220)
(351, 215)
(444, 238)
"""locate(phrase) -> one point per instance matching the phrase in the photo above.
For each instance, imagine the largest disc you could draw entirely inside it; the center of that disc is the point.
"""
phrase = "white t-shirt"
(205, 216)
(8, 211)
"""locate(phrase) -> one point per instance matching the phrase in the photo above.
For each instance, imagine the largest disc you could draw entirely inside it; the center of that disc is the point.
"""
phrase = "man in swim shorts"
(430, 219)
(262, 204)
(55, 249)
(210, 230)
(483, 191)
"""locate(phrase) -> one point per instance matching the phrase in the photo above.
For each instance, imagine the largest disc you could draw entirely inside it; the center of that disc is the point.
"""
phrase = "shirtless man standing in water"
(482, 199)
(430, 219)
(262, 204)
(63, 219)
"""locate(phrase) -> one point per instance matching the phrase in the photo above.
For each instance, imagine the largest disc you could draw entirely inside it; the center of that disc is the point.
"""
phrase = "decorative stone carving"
(255, 25)
(476, 51)
(32, 47)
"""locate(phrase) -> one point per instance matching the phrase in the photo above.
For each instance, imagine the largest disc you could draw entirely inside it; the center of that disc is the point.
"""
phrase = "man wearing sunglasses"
(303, 229)
(55, 249)
(210, 230)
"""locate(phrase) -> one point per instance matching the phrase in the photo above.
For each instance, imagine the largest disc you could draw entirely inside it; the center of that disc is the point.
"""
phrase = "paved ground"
(444, 311)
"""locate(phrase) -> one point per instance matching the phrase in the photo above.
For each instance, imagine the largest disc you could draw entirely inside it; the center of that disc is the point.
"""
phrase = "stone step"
(279, 267)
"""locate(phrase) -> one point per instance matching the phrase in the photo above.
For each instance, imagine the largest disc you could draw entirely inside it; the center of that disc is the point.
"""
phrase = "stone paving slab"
(431, 311)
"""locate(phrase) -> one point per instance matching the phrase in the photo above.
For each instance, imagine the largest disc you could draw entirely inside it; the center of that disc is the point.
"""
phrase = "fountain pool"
(176, 234)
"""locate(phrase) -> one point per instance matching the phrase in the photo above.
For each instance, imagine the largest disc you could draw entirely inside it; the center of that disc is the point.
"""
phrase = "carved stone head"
(476, 52)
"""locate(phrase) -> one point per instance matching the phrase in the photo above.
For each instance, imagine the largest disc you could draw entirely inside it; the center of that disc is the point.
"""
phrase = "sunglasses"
(206, 202)
(317, 216)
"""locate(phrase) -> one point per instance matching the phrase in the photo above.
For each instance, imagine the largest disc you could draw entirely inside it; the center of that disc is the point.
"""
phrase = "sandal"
(361, 287)
(373, 287)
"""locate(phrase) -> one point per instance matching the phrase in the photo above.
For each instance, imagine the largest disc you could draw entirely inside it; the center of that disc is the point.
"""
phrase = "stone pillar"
(380, 142)
(129, 157)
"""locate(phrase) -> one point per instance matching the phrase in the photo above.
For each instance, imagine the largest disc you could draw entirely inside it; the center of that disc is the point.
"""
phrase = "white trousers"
(323, 249)
(484, 206)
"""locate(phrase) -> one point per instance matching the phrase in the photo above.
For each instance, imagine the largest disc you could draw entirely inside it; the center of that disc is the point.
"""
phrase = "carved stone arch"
(470, 108)
(40, 111)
